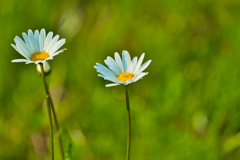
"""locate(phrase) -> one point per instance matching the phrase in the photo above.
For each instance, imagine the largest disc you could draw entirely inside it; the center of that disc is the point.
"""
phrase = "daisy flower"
(37, 48)
(122, 71)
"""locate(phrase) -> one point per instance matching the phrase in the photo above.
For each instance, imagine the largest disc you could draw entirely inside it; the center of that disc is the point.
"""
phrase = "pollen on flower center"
(39, 56)
(125, 76)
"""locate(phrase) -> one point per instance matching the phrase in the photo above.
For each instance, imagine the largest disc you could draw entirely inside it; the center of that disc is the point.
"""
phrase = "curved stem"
(57, 126)
(128, 125)
(49, 113)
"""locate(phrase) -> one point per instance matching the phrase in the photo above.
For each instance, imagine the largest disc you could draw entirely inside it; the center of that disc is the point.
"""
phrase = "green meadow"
(186, 108)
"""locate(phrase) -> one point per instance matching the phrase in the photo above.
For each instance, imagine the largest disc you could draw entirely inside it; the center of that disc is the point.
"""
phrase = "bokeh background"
(187, 108)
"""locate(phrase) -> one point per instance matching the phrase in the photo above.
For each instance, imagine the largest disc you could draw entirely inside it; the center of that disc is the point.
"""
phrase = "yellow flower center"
(39, 56)
(125, 76)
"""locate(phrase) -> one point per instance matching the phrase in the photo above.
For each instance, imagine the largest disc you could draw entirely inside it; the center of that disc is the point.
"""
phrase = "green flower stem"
(128, 125)
(57, 126)
(49, 113)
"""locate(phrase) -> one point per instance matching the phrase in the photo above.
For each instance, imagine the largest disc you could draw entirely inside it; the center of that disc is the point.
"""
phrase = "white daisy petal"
(126, 60)
(22, 47)
(112, 84)
(20, 60)
(110, 79)
(58, 52)
(28, 62)
(133, 64)
(101, 75)
(137, 77)
(144, 66)
(106, 76)
(49, 58)
(36, 34)
(32, 40)
(129, 62)
(112, 66)
(103, 68)
(114, 63)
(37, 46)
(52, 42)
(129, 81)
(139, 63)
(56, 46)
(28, 42)
(42, 38)
(106, 72)
(119, 61)
(22, 51)
(48, 40)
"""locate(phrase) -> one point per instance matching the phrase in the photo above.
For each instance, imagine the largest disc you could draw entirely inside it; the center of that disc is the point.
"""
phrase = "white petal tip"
(113, 84)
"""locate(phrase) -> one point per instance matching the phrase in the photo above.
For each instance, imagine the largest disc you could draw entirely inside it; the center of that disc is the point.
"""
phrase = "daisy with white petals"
(38, 47)
(122, 71)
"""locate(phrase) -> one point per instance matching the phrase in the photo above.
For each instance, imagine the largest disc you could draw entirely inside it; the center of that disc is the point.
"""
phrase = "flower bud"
(46, 67)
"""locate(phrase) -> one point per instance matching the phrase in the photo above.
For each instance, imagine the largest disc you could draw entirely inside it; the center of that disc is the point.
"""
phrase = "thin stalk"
(57, 126)
(49, 113)
(128, 125)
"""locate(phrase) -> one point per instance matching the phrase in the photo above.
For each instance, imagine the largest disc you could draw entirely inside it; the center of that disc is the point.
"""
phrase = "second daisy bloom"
(38, 47)
(122, 71)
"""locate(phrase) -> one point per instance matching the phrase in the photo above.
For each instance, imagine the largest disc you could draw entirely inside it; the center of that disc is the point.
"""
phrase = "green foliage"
(186, 108)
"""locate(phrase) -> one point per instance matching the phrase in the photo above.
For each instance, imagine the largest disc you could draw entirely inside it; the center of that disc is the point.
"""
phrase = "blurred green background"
(187, 108)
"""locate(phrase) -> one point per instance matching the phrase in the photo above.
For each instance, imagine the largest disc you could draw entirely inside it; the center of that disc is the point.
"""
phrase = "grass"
(188, 105)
